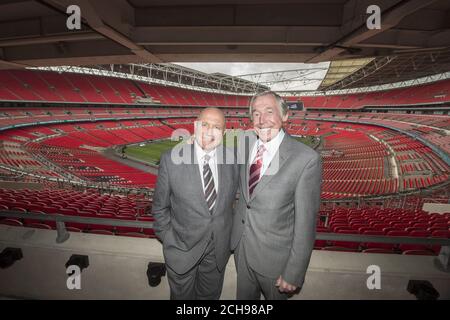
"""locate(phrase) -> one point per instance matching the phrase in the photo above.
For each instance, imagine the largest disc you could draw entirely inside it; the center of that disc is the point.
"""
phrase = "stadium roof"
(276, 77)
(303, 80)
(273, 76)
(391, 69)
(339, 70)
(182, 76)
(34, 33)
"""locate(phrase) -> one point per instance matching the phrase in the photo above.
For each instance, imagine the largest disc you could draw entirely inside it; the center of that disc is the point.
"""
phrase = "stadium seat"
(38, 225)
(378, 250)
(11, 222)
(444, 234)
(150, 232)
(419, 252)
(343, 249)
(376, 245)
(411, 247)
(133, 234)
(102, 231)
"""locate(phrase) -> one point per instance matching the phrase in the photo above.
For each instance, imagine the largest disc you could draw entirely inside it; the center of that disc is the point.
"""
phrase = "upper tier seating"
(48, 86)
(436, 92)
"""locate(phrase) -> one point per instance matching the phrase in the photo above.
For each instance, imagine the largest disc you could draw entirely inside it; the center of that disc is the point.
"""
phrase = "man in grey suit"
(274, 221)
(192, 206)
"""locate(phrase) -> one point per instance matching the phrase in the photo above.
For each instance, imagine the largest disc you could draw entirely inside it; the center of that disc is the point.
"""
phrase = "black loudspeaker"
(423, 290)
(9, 256)
(155, 271)
(78, 260)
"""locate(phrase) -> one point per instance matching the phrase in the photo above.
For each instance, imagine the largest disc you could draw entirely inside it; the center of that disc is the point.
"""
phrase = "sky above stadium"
(277, 76)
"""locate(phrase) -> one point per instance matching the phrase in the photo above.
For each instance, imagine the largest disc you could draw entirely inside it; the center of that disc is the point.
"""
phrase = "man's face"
(209, 129)
(267, 118)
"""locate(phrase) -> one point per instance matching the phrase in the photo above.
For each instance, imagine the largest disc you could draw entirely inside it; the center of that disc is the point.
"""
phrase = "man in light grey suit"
(274, 221)
(192, 206)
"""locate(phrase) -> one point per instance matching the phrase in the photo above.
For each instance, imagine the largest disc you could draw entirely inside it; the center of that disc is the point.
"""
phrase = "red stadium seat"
(11, 222)
(38, 225)
(101, 231)
(346, 244)
(377, 245)
(444, 234)
(150, 232)
(377, 250)
(133, 234)
(441, 234)
(343, 249)
(419, 252)
(123, 229)
(410, 247)
(363, 229)
(397, 233)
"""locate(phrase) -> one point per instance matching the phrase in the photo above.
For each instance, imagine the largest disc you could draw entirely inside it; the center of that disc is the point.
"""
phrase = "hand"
(284, 287)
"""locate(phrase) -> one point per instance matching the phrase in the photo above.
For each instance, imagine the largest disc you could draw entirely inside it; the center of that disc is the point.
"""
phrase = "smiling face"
(267, 117)
(209, 128)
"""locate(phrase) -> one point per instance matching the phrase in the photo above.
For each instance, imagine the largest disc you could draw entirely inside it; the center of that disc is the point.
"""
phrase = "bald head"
(209, 128)
(213, 113)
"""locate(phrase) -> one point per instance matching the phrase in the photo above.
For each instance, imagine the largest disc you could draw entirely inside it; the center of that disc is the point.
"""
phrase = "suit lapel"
(277, 162)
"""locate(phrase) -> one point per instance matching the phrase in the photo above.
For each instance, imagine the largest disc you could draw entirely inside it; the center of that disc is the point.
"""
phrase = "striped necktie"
(208, 180)
(255, 169)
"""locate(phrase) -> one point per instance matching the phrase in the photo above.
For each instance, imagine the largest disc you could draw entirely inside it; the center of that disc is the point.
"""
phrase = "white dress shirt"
(200, 153)
(271, 149)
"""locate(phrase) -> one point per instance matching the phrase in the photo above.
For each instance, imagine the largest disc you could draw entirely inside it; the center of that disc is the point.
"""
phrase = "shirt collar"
(201, 153)
(274, 143)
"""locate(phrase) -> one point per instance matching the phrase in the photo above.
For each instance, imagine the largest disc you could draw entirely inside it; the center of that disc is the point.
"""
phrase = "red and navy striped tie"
(255, 169)
(208, 180)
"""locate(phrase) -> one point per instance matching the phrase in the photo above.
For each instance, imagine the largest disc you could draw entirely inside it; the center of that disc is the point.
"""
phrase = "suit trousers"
(251, 284)
(202, 282)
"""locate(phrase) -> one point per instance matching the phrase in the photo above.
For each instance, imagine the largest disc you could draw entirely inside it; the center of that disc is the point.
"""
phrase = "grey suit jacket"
(277, 224)
(182, 220)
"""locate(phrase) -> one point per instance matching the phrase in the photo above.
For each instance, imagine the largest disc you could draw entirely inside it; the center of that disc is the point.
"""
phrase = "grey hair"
(282, 105)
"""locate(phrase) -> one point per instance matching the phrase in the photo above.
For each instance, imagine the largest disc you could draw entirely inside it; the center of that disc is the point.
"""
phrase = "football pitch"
(151, 152)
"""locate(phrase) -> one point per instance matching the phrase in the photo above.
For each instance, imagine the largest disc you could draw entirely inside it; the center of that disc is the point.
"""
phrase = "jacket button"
(248, 207)
(243, 221)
